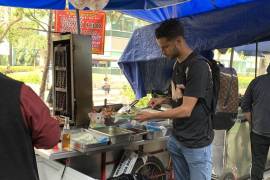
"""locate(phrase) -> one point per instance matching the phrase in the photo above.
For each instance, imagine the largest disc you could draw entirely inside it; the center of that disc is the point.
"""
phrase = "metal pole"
(232, 56)
(256, 60)
(78, 21)
(174, 11)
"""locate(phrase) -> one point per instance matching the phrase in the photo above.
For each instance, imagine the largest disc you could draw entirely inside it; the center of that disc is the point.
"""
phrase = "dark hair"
(170, 29)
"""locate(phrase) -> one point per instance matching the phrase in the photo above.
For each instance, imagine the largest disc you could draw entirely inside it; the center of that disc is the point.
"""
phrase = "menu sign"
(92, 23)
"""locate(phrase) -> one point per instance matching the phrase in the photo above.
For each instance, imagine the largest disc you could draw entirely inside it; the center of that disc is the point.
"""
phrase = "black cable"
(63, 172)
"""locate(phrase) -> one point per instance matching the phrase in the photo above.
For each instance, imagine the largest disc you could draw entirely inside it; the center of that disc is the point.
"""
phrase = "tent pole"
(256, 60)
(174, 11)
(78, 21)
(232, 56)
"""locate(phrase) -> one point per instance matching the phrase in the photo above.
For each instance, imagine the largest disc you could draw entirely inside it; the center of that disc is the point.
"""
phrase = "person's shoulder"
(262, 79)
(257, 81)
(199, 63)
(27, 90)
(264, 76)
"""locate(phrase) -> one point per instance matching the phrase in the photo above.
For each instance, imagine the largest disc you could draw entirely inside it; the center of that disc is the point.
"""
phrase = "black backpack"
(225, 101)
(224, 105)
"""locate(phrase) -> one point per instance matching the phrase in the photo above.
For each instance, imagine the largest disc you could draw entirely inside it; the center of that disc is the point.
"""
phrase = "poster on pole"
(92, 23)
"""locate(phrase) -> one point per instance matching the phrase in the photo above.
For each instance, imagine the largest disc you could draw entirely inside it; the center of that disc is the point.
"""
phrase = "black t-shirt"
(194, 73)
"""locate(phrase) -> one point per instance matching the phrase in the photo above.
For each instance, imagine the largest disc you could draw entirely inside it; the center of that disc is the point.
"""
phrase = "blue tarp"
(225, 28)
(192, 7)
(139, 8)
(140, 4)
(36, 4)
(209, 24)
(112, 5)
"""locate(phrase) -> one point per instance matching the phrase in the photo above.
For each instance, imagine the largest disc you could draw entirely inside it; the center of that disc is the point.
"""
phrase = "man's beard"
(175, 54)
(173, 57)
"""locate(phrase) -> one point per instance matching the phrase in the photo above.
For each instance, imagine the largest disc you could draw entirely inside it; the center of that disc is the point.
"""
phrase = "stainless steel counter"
(58, 153)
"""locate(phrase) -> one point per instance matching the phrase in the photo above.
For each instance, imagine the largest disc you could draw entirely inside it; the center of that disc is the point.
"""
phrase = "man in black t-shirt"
(256, 109)
(191, 96)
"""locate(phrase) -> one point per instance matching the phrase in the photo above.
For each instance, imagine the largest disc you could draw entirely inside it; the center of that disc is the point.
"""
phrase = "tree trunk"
(3, 34)
(47, 63)
(10, 54)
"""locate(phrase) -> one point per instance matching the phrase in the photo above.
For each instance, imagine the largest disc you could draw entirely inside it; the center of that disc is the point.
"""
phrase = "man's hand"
(60, 120)
(155, 102)
(247, 115)
(144, 116)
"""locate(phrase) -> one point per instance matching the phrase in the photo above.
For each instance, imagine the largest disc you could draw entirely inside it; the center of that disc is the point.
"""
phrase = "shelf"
(60, 89)
(59, 109)
(59, 68)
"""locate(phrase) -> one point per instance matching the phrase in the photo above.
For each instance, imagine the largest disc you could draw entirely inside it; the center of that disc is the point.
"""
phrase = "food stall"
(148, 56)
(229, 28)
(94, 139)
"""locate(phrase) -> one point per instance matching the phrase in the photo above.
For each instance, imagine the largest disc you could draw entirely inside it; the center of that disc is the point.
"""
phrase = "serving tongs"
(127, 108)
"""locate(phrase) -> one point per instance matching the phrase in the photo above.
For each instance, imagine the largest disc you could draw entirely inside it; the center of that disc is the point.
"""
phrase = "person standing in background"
(106, 87)
(256, 109)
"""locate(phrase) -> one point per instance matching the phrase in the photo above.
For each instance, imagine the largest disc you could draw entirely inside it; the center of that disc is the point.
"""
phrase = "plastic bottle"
(66, 135)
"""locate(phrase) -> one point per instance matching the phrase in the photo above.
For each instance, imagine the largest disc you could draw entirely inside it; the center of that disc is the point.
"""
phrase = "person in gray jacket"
(256, 107)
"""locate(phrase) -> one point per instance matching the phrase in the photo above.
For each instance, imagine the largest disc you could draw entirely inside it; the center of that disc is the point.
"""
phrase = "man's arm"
(44, 129)
(247, 101)
(197, 81)
(182, 111)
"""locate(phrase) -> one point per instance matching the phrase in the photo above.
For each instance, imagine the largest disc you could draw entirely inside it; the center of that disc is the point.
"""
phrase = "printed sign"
(92, 23)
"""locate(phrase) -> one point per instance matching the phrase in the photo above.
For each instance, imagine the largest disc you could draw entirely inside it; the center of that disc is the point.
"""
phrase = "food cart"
(225, 31)
(95, 153)
(145, 50)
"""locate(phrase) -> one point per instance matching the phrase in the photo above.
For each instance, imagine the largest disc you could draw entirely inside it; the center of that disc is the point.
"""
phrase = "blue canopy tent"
(149, 10)
(209, 24)
(189, 8)
(222, 28)
(112, 5)
(185, 7)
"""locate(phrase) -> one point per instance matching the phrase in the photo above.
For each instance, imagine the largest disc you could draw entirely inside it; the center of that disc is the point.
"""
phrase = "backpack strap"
(201, 100)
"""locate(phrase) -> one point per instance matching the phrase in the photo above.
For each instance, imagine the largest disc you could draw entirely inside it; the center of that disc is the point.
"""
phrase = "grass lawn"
(33, 77)
(244, 82)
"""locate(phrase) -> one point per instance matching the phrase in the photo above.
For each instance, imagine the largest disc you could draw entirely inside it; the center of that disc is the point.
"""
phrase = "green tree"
(8, 18)
(26, 37)
(19, 28)
(23, 28)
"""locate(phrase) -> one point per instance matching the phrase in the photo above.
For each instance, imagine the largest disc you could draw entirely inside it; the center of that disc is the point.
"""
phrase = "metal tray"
(85, 146)
(151, 135)
(138, 134)
(116, 134)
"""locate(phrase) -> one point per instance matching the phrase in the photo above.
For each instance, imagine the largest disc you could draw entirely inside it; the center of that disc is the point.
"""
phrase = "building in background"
(119, 28)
